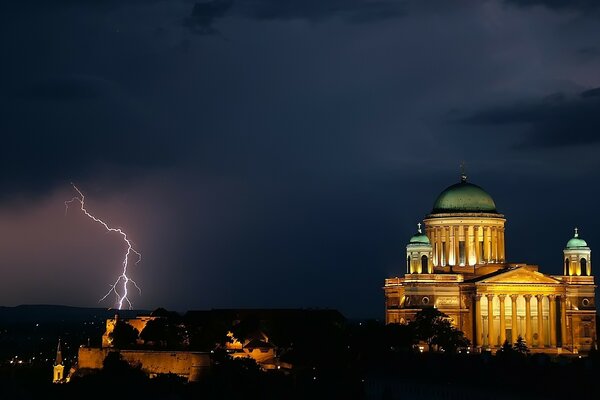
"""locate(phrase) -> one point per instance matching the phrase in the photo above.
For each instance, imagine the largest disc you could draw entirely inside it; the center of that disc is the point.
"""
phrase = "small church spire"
(59, 368)
(576, 232)
(58, 360)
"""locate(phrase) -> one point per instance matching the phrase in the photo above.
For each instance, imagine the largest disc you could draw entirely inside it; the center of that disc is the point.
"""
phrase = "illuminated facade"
(458, 264)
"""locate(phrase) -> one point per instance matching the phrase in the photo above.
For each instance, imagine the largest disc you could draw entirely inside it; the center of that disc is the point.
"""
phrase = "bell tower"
(577, 257)
(419, 254)
(59, 368)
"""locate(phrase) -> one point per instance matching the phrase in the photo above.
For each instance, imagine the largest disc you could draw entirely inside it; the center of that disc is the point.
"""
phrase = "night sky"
(279, 153)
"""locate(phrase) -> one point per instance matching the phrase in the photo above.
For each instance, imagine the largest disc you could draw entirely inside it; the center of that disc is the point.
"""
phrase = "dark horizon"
(267, 154)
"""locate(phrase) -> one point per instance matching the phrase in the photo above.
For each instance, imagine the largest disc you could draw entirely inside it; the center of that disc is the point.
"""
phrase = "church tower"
(59, 368)
(577, 257)
(419, 254)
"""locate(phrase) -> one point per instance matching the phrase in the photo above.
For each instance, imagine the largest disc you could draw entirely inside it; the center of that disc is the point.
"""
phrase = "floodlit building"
(457, 263)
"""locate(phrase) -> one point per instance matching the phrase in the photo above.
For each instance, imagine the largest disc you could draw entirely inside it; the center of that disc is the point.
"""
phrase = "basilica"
(457, 263)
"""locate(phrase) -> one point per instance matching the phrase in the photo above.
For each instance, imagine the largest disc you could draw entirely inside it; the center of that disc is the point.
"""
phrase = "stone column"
(502, 319)
(447, 246)
(540, 324)
(438, 238)
(477, 336)
(563, 321)
(488, 243)
(466, 231)
(494, 244)
(456, 251)
(552, 319)
(528, 319)
(477, 249)
(491, 334)
(515, 326)
(433, 240)
(500, 244)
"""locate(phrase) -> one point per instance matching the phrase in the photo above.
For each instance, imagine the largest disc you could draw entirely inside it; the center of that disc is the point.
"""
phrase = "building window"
(481, 251)
(583, 265)
(408, 264)
(586, 331)
(425, 300)
(567, 272)
(461, 253)
(424, 262)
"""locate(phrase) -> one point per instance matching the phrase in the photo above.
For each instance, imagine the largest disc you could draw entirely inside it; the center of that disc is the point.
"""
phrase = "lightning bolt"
(120, 287)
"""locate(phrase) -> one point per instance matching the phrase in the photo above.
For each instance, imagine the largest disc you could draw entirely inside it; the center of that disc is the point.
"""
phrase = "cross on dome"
(419, 227)
(463, 171)
(576, 232)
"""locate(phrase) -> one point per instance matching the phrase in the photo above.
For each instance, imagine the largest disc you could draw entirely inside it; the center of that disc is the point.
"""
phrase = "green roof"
(419, 238)
(576, 242)
(464, 197)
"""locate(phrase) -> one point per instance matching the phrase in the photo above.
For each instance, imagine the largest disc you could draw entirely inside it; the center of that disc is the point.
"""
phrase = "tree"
(449, 338)
(123, 335)
(163, 332)
(434, 327)
(506, 348)
(520, 346)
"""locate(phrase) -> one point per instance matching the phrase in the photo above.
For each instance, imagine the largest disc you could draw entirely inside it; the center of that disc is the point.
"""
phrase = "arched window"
(583, 265)
(408, 265)
(567, 272)
(424, 262)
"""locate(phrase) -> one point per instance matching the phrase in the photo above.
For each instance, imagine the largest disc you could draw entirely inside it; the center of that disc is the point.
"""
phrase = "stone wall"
(191, 365)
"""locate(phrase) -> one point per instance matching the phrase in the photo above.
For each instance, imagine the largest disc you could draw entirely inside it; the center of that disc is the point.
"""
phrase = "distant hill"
(52, 313)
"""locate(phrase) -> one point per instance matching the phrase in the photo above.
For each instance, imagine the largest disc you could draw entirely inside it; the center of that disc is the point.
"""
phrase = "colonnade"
(482, 244)
(555, 318)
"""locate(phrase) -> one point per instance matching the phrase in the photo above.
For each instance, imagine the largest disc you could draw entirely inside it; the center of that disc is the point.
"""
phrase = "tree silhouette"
(506, 348)
(434, 327)
(520, 346)
(123, 335)
(163, 333)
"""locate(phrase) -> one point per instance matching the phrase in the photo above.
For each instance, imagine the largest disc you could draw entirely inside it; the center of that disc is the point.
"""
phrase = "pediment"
(519, 276)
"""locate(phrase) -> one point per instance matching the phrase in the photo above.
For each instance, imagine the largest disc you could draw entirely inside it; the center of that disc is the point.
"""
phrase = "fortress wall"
(183, 363)
(91, 358)
(165, 362)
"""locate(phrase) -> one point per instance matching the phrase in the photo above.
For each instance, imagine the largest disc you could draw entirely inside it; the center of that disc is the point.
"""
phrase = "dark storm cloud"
(74, 88)
(205, 13)
(581, 5)
(66, 127)
(299, 153)
(556, 121)
(316, 10)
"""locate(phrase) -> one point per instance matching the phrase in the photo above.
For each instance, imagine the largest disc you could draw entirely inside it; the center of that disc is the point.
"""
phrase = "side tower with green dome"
(465, 229)
(577, 257)
(418, 254)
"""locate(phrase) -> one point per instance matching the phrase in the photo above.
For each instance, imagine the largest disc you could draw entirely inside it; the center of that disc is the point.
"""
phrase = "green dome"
(464, 197)
(576, 242)
(419, 238)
